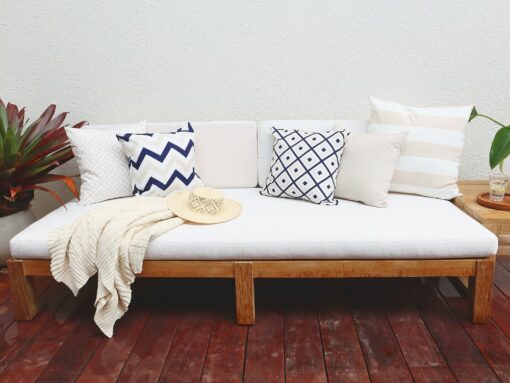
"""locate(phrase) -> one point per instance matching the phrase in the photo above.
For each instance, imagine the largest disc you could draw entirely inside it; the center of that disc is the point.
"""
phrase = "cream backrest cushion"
(248, 142)
(226, 151)
(265, 138)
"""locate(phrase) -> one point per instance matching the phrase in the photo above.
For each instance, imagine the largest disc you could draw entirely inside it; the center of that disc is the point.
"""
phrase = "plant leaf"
(500, 148)
(55, 123)
(21, 116)
(67, 180)
(79, 124)
(37, 187)
(4, 124)
(37, 125)
(474, 114)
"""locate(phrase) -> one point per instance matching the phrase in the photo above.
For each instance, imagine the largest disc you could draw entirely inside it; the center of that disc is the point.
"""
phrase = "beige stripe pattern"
(455, 124)
(424, 149)
(430, 160)
(423, 179)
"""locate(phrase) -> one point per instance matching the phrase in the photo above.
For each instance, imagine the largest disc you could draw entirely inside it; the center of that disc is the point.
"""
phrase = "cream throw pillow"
(429, 164)
(103, 165)
(367, 167)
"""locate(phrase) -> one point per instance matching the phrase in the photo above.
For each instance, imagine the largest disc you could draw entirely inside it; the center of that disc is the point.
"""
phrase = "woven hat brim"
(178, 203)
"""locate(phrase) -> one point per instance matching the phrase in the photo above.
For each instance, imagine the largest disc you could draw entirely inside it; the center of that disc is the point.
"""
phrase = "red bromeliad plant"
(28, 153)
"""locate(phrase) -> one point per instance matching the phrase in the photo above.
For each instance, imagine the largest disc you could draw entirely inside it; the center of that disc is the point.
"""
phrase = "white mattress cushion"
(411, 227)
(226, 151)
(265, 138)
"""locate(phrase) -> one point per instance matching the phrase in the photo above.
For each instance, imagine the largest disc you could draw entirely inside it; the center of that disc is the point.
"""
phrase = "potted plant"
(28, 155)
(500, 150)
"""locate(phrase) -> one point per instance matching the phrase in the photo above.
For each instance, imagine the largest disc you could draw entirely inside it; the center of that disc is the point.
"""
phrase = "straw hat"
(203, 205)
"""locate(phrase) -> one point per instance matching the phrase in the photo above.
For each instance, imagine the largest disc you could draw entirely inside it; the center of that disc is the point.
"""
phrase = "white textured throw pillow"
(103, 165)
(429, 163)
(367, 167)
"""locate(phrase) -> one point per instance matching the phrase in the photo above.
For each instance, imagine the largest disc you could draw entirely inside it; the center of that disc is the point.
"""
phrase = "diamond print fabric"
(305, 165)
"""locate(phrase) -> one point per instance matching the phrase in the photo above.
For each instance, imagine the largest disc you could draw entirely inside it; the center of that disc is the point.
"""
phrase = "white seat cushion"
(273, 228)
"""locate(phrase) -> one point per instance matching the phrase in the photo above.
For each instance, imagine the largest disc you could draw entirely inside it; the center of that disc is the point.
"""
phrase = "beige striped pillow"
(429, 163)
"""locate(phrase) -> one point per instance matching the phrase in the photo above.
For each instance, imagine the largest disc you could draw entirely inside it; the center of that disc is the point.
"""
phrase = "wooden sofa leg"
(245, 293)
(480, 290)
(22, 290)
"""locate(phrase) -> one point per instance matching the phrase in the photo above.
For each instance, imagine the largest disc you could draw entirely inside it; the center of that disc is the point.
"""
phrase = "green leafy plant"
(500, 148)
(29, 153)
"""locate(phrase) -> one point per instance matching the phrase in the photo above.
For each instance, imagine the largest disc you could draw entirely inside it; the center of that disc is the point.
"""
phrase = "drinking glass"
(497, 186)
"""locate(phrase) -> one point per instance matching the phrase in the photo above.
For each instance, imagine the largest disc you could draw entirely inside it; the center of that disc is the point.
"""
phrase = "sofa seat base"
(479, 271)
(411, 227)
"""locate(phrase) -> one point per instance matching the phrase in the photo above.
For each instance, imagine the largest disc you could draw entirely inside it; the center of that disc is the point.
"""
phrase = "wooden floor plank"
(461, 354)
(75, 352)
(265, 348)
(504, 260)
(225, 357)
(385, 328)
(490, 340)
(502, 279)
(185, 361)
(148, 356)
(7, 316)
(304, 360)
(110, 356)
(342, 351)
(384, 359)
(29, 364)
(421, 353)
(15, 338)
(5, 290)
(501, 311)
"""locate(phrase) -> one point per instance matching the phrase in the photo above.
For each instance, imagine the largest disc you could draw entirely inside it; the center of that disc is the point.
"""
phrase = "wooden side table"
(497, 221)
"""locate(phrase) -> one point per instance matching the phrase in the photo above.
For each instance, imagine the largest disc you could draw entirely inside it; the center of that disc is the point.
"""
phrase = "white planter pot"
(9, 227)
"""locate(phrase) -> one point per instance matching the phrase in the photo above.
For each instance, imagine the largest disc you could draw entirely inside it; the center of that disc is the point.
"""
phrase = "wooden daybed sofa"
(278, 238)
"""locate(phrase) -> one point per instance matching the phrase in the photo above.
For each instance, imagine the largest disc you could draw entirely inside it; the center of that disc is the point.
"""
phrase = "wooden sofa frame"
(479, 271)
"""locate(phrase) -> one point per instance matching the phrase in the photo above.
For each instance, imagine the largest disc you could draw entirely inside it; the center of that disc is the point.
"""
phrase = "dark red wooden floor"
(307, 331)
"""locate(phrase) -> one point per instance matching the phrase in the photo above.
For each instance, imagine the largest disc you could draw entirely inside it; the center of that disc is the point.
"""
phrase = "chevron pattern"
(305, 165)
(161, 163)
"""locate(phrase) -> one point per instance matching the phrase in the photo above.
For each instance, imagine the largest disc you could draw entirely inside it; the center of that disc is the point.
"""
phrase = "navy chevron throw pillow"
(305, 165)
(161, 163)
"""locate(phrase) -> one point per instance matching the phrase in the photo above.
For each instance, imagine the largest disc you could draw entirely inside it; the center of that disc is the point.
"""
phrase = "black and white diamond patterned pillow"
(305, 165)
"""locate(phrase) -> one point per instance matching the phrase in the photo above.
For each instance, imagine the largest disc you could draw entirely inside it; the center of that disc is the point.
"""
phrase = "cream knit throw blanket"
(110, 241)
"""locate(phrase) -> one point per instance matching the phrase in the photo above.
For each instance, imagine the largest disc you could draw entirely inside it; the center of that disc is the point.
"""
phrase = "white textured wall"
(122, 61)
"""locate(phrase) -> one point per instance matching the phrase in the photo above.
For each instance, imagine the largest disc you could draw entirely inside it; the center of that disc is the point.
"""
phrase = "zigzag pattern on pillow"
(146, 152)
(161, 163)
